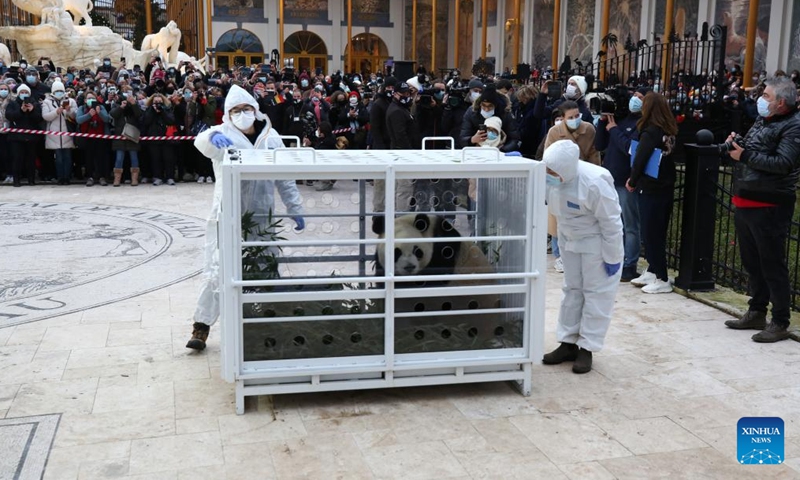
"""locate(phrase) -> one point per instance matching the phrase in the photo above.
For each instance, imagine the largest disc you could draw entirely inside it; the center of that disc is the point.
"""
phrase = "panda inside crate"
(432, 333)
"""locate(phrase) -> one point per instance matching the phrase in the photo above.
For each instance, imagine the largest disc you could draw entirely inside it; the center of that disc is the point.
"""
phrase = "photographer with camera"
(615, 140)
(59, 111)
(158, 117)
(764, 193)
(379, 135)
(489, 104)
(24, 112)
(92, 117)
(356, 117)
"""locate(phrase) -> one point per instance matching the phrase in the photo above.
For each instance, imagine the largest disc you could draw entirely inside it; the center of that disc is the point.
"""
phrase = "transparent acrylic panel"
(476, 326)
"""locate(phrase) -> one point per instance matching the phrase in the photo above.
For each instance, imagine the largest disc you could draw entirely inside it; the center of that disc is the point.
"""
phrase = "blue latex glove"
(301, 223)
(612, 268)
(513, 154)
(219, 140)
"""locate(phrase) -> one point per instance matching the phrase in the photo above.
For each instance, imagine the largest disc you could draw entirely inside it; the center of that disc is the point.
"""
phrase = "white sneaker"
(559, 265)
(209, 180)
(157, 182)
(170, 182)
(9, 179)
(201, 179)
(658, 286)
(644, 279)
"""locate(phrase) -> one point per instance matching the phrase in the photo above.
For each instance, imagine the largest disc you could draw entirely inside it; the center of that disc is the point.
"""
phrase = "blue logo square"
(573, 205)
(760, 441)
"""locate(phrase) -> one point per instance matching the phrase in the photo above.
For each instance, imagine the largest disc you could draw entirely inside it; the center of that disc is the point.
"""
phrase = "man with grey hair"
(766, 175)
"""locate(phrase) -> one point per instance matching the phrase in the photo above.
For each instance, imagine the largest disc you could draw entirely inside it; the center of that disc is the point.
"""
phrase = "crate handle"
(295, 151)
(450, 139)
(485, 154)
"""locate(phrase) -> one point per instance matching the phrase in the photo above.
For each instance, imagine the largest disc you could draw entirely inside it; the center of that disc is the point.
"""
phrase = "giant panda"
(430, 258)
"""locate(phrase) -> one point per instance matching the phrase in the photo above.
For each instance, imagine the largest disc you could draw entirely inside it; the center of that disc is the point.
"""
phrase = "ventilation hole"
(327, 310)
(298, 287)
(355, 338)
(419, 307)
(472, 332)
(355, 309)
(270, 342)
(499, 331)
(269, 312)
(473, 305)
(327, 339)
(448, 252)
(434, 180)
(446, 333)
(435, 201)
(299, 340)
(298, 311)
(447, 306)
(447, 226)
(456, 201)
(419, 334)
(412, 202)
(421, 224)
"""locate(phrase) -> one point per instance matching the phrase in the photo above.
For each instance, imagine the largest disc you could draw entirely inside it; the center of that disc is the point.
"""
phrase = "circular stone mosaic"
(59, 258)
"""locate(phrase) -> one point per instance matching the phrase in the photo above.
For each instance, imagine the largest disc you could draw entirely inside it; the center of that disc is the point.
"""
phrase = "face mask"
(763, 107)
(558, 122)
(389, 94)
(187, 95)
(170, 90)
(315, 99)
(31, 79)
(270, 92)
(353, 101)
(59, 95)
(316, 134)
(298, 101)
(552, 180)
(491, 136)
(23, 66)
(572, 91)
(438, 95)
(303, 83)
(244, 120)
(3, 93)
(107, 63)
(90, 102)
(488, 114)
(142, 103)
(406, 100)
(656, 88)
(635, 105)
(454, 101)
(574, 123)
(24, 96)
(474, 96)
(262, 79)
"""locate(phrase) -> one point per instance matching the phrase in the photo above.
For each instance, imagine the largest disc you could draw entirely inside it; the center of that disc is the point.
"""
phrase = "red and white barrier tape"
(93, 135)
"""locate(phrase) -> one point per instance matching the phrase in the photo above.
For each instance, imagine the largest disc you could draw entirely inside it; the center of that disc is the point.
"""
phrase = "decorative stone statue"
(166, 41)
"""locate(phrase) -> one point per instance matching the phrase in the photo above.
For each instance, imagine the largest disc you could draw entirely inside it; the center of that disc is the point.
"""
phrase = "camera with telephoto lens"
(728, 146)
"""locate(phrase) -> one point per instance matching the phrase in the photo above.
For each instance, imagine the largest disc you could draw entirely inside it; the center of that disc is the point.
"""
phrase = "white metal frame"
(388, 369)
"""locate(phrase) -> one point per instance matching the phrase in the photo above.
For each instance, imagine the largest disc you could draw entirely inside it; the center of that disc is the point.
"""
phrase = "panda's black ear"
(378, 224)
(422, 222)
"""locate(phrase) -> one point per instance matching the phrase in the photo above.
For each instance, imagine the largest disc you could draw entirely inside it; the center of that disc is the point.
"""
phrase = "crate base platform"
(518, 373)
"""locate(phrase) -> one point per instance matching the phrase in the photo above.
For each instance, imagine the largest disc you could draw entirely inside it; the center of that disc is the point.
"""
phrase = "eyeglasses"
(236, 110)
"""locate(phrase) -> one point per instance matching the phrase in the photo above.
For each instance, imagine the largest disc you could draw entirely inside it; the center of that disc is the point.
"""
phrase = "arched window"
(308, 51)
(239, 48)
(369, 54)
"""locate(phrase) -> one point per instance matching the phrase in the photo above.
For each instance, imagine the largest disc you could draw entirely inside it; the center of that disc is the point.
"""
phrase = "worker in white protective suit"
(583, 199)
(243, 126)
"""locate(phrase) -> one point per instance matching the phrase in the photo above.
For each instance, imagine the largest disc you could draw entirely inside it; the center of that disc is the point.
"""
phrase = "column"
(484, 26)
(457, 14)
(780, 25)
(750, 45)
(349, 67)
(281, 38)
(413, 30)
(148, 18)
(556, 33)
(517, 39)
(433, 38)
(669, 18)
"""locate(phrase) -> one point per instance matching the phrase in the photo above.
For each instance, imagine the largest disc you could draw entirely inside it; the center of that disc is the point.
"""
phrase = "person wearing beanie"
(576, 90)
(38, 89)
(489, 104)
(24, 112)
(475, 87)
(614, 138)
(59, 111)
(582, 197)
(5, 158)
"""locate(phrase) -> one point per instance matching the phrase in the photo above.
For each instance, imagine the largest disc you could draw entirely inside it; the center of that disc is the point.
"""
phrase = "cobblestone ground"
(662, 401)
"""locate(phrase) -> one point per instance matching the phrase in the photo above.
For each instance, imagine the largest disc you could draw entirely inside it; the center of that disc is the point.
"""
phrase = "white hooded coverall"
(589, 234)
(256, 196)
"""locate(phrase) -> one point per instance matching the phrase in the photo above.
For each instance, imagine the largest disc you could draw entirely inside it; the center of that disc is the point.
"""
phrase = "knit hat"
(390, 82)
(489, 95)
(643, 90)
(23, 88)
(354, 94)
(414, 82)
(57, 87)
(475, 83)
(494, 123)
(581, 81)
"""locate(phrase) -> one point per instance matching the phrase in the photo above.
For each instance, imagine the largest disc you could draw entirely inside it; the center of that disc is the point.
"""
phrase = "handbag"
(131, 132)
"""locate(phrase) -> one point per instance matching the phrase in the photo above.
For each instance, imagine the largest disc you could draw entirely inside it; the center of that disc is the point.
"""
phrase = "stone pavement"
(662, 401)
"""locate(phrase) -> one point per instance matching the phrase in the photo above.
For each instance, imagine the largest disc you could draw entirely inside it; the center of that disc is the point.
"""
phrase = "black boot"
(751, 320)
(772, 333)
(199, 336)
(566, 352)
(583, 363)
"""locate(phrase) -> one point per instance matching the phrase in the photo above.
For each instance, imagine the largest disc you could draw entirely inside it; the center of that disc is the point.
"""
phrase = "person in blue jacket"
(614, 139)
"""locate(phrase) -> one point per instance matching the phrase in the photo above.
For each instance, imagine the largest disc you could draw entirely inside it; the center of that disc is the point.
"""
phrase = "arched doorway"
(238, 48)
(369, 54)
(308, 51)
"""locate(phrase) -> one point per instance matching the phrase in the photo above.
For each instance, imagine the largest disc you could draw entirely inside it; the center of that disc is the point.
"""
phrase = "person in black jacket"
(292, 117)
(355, 116)
(764, 193)
(272, 104)
(575, 91)
(489, 104)
(614, 138)
(24, 112)
(657, 130)
(158, 117)
(379, 136)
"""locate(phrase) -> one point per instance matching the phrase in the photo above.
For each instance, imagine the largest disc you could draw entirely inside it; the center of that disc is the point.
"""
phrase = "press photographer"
(765, 181)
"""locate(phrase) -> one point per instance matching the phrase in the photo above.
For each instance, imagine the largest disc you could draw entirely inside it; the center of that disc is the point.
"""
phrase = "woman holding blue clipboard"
(653, 179)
